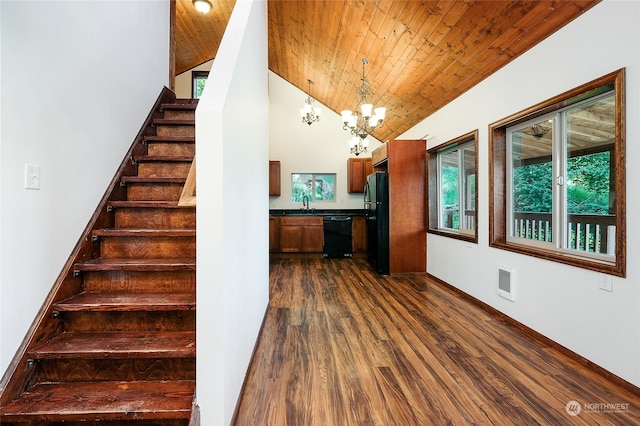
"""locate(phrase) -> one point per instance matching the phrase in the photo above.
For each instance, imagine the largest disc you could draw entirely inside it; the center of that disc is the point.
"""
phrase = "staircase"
(115, 341)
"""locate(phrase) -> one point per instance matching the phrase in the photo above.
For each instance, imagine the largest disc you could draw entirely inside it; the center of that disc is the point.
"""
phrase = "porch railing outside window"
(585, 232)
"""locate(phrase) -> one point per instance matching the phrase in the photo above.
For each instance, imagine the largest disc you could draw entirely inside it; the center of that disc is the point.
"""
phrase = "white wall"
(321, 147)
(232, 214)
(75, 92)
(183, 81)
(563, 303)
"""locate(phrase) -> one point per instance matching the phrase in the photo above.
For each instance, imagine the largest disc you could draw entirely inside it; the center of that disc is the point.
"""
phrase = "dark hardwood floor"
(342, 345)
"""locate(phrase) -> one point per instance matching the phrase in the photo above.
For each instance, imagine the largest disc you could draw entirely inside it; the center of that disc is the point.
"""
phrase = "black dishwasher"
(337, 237)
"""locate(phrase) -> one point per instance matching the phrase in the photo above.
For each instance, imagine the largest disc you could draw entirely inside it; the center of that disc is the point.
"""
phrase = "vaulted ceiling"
(421, 54)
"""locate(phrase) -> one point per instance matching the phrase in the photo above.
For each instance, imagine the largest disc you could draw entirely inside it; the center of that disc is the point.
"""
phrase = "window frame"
(314, 176)
(498, 176)
(195, 75)
(434, 187)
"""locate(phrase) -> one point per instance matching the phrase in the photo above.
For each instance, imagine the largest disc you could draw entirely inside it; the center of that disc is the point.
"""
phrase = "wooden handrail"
(188, 196)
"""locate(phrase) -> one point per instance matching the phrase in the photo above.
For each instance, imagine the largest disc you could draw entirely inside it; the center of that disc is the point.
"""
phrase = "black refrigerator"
(376, 204)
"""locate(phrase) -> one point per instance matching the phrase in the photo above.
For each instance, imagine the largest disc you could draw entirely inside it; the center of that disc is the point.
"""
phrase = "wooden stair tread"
(103, 401)
(118, 344)
(163, 158)
(119, 232)
(170, 139)
(101, 264)
(147, 204)
(148, 179)
(128, 301)
(174, 122)
(190, 106)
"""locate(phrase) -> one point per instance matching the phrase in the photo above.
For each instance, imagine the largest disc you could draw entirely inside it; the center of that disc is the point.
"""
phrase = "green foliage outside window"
(318, 187)
(587, 185)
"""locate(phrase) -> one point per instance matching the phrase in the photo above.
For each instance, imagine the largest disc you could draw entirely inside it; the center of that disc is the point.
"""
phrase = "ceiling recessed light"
(202, 6)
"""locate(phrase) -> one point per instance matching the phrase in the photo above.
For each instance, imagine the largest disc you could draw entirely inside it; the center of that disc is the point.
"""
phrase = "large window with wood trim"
(557, 178)
(453, 194)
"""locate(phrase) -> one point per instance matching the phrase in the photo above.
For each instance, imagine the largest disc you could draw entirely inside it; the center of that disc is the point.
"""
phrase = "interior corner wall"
(232, 214)
(78, 80)
(321, 147)
(561, 302)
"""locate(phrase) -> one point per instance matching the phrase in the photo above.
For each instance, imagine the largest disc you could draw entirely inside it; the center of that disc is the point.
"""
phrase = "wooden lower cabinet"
(274, 234)
(305, 234)
(301, 234)
(359, 234)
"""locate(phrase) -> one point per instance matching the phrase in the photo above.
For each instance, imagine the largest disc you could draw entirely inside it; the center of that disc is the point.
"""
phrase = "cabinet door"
(290, 238)
(357, 171)
(274, 234)
(274, 178)
(312, 239)
(359, 233)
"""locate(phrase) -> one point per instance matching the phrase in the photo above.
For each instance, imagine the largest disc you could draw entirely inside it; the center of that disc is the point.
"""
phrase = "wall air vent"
(505, 283)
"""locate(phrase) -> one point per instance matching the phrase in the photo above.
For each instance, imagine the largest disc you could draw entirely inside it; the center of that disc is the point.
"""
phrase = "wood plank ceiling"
(421, 54)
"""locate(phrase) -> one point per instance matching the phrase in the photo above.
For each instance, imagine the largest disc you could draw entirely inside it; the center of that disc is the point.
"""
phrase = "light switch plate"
(31, 176)
(605, 283)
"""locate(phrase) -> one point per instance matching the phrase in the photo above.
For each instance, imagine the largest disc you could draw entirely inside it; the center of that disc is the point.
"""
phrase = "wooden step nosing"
(127, 301)
(150, 233)
(174, 122)
(153, 180)
(102, 265)
(170, 139)
(163, 158)
(112, 400)
(116, 345)
(179, 106)
(148, 204)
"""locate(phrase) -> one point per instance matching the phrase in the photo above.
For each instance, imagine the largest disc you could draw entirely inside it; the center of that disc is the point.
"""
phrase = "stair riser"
(161, 169)
(179, 115)
(155, 218)
(175, 130)
(129, 321)
(166, 282)
(83, 370)
(147, 247)
(154, 191)
(159, 148)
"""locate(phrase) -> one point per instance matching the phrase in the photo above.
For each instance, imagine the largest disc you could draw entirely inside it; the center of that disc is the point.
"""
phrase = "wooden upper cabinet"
(357, 171)
(274, 178)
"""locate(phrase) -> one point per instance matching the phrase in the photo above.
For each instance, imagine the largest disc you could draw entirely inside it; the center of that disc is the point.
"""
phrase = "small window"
(557, 178)
(198, 81)
(453, 194)
(319, 187)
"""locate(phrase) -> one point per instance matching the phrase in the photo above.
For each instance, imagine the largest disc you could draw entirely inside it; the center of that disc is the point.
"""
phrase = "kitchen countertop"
(316, 212)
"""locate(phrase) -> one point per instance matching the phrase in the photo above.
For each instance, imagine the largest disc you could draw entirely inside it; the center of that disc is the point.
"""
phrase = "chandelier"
(309, 115)
(361, 123)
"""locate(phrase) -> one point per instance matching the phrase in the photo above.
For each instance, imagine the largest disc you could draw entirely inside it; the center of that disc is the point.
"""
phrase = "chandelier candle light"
(309, 115)
(362, 123)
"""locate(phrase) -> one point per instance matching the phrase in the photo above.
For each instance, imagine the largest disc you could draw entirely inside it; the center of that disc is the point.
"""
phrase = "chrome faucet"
(305, 202)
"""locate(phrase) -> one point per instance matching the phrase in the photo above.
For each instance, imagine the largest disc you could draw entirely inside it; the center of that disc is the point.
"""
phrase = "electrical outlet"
(31, 176)
(605, 282)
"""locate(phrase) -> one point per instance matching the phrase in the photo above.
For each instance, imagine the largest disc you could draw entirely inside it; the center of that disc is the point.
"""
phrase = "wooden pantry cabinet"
(404, 161)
